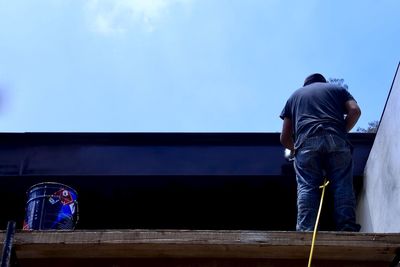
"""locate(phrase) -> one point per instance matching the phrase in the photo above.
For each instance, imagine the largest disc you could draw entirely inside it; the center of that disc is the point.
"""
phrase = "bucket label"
(63, 195)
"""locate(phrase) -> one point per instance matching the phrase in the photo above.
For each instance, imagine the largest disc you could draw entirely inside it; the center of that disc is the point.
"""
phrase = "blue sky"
(185, 65)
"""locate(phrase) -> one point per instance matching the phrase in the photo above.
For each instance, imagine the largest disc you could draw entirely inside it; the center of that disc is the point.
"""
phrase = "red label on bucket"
(64, 196)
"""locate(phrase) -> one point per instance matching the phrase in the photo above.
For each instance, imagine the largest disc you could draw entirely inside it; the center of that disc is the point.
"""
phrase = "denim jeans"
(318, 156)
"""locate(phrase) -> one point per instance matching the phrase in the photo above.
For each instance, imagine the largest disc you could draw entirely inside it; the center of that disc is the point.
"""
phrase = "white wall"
(378, 208)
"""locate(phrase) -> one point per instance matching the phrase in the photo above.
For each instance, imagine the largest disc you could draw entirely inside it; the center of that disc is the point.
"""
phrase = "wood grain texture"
(198, 244)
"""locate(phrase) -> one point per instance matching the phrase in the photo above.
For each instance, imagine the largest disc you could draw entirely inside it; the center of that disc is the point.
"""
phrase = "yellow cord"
(317, 221)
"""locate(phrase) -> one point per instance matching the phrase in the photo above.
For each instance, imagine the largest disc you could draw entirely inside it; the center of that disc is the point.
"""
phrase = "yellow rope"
(317, 221)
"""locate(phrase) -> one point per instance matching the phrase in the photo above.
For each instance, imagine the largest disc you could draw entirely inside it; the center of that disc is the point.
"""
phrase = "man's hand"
(289, 154)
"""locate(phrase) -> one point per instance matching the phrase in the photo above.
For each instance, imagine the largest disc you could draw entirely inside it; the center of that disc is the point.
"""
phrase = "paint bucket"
(51, 206)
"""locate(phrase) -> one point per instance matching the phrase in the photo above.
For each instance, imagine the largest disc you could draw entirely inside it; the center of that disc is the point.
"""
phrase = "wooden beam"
(203, 244)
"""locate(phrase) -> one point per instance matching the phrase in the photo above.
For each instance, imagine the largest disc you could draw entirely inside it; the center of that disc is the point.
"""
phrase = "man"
(316, 120)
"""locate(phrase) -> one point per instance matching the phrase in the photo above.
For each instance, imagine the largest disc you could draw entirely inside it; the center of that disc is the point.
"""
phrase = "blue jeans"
(318, 156)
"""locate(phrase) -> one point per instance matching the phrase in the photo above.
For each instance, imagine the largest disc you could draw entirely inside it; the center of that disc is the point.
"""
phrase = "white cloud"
(117, 16)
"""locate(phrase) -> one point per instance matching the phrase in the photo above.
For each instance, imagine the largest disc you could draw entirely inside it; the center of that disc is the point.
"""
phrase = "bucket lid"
(50, 184)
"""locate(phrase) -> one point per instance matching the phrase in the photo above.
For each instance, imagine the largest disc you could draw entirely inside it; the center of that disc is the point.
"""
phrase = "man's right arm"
(353, 114)
(286, 137)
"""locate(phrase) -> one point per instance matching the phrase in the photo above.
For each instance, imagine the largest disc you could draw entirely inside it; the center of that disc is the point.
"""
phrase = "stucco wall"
(378, 208)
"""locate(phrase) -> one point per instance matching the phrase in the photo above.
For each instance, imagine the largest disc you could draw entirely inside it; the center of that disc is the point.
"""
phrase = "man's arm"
(353, 114)
(287, 134)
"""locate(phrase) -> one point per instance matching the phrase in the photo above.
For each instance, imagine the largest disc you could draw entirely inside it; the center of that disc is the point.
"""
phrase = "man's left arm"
(353, 114)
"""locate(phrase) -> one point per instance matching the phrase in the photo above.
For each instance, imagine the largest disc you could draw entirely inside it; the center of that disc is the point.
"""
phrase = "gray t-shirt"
(317, 106)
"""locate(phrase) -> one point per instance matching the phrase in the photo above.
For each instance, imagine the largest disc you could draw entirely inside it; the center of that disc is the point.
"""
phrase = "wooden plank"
(204, 244)
(191, 262)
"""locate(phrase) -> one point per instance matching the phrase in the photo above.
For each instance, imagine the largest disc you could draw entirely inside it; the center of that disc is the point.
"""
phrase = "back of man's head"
(314, 78)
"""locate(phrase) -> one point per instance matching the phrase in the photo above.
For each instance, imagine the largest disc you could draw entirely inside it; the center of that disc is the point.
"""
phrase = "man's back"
(317, 106)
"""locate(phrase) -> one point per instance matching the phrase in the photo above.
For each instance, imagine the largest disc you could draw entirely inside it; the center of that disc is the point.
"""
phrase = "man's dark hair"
(314, 78)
